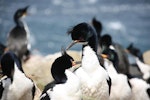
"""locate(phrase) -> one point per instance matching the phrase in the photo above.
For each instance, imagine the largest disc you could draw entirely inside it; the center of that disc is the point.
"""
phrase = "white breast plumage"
(93, 77)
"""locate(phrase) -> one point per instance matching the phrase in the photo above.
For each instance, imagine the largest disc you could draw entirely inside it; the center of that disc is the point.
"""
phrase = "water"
(126, 20)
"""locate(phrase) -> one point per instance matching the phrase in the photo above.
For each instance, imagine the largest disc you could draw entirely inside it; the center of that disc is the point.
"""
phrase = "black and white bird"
(66, 85)
(18, 37)
(123, 63)
(15, 85)
(95, 82)
(123, 60)
(120, 88)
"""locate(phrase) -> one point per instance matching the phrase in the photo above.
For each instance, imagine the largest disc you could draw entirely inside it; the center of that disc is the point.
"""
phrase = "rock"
(38, 67)
(146, 57)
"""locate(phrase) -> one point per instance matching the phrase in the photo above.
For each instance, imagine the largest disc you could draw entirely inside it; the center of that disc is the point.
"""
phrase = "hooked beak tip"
(27, 7)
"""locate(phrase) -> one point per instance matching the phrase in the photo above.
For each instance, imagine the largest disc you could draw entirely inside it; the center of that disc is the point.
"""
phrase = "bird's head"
(21, 12)
(81, 33)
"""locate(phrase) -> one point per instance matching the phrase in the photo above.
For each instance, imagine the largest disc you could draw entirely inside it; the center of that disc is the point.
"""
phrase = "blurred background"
(128, 21)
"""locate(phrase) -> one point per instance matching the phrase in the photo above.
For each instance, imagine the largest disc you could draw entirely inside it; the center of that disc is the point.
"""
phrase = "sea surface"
(127, 21)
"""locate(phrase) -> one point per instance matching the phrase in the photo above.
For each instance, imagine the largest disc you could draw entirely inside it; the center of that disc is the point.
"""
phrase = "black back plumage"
(98, 27)
(1, 89)
(148, 92)
(148, 80)
(59, 66)
(58, 72)
(17, 40)
(8, 61)
(10, 65)
(46, 88)
(2, 48)
(123, 59)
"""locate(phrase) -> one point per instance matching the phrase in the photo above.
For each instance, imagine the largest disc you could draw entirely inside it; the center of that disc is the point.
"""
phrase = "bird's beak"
(25, 10)
(104, 56)
(72, 43)
(75, 42)
(75, 63)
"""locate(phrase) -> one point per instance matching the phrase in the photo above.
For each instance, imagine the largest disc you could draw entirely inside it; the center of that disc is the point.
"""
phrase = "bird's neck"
(109, 67)
(19, 22)
(59, 77)
(92, 42)
(90, 61)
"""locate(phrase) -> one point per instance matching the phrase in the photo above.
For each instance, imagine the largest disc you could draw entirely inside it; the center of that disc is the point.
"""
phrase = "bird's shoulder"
(17, 32)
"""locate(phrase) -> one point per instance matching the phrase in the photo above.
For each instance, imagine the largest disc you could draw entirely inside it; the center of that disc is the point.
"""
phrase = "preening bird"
(15, 85)
(66, 85)
(18, 37)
